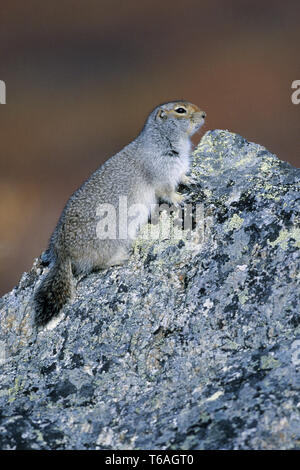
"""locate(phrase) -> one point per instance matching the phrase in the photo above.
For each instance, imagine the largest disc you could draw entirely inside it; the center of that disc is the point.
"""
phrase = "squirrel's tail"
(54, 291)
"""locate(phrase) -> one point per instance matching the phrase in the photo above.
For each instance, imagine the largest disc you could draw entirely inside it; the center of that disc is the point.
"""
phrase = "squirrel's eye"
(180, 110)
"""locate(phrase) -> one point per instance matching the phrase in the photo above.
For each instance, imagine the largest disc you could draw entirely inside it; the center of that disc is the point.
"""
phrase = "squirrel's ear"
(161, 114)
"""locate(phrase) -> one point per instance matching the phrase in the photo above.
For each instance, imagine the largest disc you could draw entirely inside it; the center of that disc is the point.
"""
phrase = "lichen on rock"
(192, 344)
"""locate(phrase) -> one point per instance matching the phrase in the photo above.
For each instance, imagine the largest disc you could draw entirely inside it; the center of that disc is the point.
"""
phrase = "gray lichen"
(193, 344)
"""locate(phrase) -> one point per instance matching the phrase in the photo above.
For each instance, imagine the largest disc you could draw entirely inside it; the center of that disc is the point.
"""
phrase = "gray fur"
(148, 168)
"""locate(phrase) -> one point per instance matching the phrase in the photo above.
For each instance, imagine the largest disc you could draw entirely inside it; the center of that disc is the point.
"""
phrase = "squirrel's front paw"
(185, 180)
(188, 180)
(177, 198)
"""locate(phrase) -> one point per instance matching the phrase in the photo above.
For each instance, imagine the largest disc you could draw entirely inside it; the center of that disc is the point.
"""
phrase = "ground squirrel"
(147, 169)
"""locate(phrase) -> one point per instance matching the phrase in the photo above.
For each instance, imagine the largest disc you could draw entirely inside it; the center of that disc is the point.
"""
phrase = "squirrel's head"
(180, 117)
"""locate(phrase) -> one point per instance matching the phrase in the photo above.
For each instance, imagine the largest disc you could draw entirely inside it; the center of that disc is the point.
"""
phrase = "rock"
(193, 344)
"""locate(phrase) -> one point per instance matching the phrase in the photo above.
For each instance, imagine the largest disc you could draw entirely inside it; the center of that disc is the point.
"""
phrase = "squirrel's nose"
(203, 114)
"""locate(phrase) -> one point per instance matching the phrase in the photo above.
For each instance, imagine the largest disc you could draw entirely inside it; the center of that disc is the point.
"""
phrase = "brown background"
(81, 77)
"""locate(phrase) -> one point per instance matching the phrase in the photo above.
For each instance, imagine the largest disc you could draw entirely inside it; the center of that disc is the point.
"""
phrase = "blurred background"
(81, 77)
